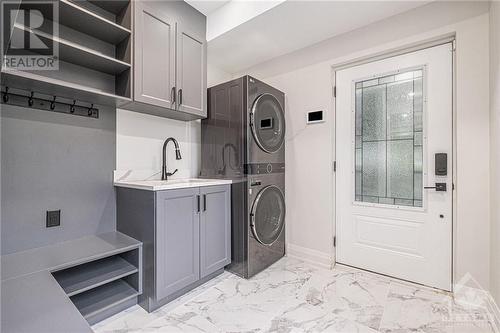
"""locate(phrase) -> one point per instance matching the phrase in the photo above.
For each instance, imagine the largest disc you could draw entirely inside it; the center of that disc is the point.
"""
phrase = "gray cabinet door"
(177, 240)
(154, 51)
(215, 228)
(191, 72)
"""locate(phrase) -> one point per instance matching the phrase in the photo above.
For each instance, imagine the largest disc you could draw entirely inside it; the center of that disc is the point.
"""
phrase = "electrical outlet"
(53, 218)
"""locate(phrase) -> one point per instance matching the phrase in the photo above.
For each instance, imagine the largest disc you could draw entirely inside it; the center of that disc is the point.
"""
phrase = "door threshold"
(393, 278)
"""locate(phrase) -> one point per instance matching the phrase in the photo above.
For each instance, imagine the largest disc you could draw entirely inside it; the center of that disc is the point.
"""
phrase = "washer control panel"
(264, 168)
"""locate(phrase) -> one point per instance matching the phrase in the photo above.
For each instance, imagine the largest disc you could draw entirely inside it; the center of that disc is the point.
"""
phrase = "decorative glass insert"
(388, 139)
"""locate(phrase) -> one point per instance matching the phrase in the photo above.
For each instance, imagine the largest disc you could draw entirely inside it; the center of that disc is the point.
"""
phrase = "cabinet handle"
(198, 198)
(204, 202)
(172, 95)
(180, 97)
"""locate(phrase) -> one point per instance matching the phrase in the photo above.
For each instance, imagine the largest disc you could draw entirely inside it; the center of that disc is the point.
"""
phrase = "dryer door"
(268, 215)
(267, 121)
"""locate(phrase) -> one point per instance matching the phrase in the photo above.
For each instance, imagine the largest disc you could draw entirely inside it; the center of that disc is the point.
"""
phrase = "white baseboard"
(313, 257)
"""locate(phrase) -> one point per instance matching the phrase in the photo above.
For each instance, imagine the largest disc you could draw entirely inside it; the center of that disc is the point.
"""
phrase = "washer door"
(268, 123)
(268, 215)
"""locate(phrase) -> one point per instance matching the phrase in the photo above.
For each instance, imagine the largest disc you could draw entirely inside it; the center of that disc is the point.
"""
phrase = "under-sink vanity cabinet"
(169, 65)
(177, 240)
(185, 231)
(215, 229)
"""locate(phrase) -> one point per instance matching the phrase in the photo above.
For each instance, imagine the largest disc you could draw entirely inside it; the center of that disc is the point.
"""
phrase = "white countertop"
(160, 185)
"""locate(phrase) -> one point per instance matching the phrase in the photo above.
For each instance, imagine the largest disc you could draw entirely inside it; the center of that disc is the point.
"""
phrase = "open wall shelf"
(61, 88)
(113, 6)
(94, 45)
(81, 55)
(73, 15)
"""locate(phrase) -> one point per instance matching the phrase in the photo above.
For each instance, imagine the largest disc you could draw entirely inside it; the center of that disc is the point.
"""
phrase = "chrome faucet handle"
(173, 173)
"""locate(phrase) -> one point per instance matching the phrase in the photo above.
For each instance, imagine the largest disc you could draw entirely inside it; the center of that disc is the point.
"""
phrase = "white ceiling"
(208, 6)
(293, 25)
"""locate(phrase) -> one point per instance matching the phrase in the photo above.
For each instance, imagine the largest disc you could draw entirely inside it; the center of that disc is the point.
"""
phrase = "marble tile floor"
(292, 296)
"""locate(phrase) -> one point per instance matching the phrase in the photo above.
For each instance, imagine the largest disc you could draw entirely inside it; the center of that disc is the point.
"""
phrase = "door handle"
(180, 97)
(204, 202)
(172, 95)
(439, 187)
(198, 199)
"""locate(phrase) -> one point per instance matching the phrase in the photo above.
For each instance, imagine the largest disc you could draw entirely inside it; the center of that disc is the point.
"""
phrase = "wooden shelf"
(80, 55)
(50, 86)
(80, 19)
(100, 299)
(84, 277)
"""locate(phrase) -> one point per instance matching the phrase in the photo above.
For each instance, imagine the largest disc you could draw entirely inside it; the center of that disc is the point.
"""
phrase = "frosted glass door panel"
(374, 173)
(373, 113)
(388, 139)
(400, 169)
(400, 110)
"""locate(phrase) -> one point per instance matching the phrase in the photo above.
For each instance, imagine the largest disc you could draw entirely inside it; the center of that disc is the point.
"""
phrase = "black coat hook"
(72, 108)
(6, 95)
(53, 103)
(30, 99)
(91, 109)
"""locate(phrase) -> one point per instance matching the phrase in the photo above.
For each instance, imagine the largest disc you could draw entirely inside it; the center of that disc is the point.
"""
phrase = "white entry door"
(394, 139)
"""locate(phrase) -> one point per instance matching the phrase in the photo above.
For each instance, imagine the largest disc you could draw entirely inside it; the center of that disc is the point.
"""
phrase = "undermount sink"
(158, 185)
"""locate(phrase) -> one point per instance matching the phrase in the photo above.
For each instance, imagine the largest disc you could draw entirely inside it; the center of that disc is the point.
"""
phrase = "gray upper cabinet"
(170, 60)
(191, 72)
(215, 229)
(177, 240)
(154, 51)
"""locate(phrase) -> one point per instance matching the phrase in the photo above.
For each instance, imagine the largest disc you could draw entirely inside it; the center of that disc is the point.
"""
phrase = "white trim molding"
(313, 257)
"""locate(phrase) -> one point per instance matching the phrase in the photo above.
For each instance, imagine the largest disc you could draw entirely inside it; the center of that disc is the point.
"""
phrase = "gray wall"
(55, 161)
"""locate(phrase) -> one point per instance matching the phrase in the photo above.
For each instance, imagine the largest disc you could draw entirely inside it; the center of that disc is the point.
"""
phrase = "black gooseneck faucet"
(164, 173)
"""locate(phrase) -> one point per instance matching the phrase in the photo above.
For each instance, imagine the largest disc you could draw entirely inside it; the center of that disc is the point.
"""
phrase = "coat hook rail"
(32, 101)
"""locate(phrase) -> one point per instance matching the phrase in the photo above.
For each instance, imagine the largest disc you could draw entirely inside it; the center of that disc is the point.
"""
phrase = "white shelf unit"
(94, 45)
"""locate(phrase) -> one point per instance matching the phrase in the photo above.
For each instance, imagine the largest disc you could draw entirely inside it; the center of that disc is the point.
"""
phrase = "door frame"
(405, 49)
